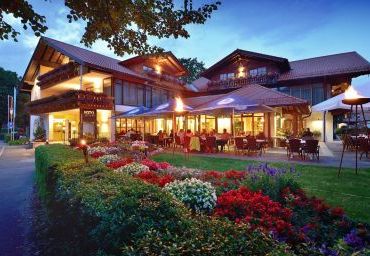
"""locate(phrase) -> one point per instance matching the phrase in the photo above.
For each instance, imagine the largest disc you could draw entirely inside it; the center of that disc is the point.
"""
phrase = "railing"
(163, 77)
(71, 100)
(240, 82)
(59, 74)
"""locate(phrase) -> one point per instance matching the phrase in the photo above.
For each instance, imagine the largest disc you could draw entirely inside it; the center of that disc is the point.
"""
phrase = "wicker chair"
(252, 146)
(294, 146)
(211, 144)
(363, 146)
(186, 146)
(239, 145)
(312, 147)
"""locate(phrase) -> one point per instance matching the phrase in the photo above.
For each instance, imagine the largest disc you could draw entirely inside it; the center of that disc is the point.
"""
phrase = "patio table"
(194, 143)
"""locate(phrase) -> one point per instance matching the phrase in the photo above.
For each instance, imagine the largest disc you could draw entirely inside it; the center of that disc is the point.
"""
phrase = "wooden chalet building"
(314, 80)
(76, 92)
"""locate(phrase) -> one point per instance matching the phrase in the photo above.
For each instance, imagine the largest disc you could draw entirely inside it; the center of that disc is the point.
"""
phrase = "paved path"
(16, 187)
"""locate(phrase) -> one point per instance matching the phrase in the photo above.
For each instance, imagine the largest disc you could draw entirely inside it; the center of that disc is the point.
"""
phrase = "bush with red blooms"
(314, 218)
(244, 205)
(97, 154)
(154, 178)
(155, 166)
(224, 181)
(119, 163)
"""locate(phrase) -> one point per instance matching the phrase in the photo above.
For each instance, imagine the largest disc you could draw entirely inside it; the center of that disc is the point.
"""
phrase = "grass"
(350, 191)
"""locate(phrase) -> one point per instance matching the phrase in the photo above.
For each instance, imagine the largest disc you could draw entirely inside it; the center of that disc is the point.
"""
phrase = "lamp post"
(352, 99)
(179, 108)
(84, 150)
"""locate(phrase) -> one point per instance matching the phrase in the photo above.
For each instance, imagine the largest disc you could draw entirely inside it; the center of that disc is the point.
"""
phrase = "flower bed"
(259, 199)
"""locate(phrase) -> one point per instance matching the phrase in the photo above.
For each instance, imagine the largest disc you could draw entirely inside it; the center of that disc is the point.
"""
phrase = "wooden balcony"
(58, 75)
(70, 100)
(163, 77)
(236, 83)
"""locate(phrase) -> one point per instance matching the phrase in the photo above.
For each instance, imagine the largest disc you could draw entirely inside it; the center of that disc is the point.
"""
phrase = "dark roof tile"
(336, 64)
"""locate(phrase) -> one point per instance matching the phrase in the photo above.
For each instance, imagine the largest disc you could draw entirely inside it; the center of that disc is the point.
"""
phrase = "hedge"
(94, 211)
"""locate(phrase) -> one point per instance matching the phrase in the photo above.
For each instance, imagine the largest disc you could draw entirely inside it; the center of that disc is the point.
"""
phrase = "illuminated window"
(227, 76)
(258, 71)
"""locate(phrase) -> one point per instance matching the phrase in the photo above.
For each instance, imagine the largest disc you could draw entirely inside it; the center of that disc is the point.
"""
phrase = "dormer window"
(147, 69)
(227, 76)
(258, 71)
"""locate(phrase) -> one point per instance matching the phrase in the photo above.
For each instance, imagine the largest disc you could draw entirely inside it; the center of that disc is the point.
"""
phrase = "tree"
(124, 25)
(194, 67)
(8, 80)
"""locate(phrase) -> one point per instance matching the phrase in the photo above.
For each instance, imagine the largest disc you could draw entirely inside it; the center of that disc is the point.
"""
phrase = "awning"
(166, 109)
(335, 103)
(132, 113)
(253, 108)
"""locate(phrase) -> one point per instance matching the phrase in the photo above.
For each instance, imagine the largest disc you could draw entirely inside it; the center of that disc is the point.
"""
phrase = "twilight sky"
(294, 29)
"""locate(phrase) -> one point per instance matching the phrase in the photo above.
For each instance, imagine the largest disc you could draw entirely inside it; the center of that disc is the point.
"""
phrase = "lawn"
(350, 191)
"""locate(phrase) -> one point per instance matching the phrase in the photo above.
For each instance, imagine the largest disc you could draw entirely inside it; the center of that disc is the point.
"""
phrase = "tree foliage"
(125, 25)
(194, 67)
(23, 10)
(8, 80)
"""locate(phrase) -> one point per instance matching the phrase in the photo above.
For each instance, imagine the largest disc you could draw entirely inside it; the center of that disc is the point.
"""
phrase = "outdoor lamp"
(84, 150)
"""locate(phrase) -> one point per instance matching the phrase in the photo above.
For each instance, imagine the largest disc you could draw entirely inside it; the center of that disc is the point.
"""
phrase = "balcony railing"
(240, 82)
(163, 77)
(59, 74)
(71, 100)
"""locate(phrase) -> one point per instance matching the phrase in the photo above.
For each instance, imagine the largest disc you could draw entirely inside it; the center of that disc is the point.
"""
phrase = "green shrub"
(21, 141)
(208, 236)
(95, 211)
(6, 138)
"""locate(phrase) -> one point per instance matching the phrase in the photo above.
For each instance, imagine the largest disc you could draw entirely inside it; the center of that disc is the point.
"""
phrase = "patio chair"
(186, 146)
(312, 147)
(155, 139)
(239, 145)
(252, 146)
(294, 146)
(363, 146)
(211, 144)
(177, 141)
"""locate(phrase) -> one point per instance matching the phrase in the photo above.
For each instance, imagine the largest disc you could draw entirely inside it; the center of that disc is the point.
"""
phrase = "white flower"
(106, 159)
(195, 194)
(133, 168)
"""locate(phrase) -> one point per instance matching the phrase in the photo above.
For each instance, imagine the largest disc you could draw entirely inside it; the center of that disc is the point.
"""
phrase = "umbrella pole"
(173, 133)
(143, 129)
(233, 123)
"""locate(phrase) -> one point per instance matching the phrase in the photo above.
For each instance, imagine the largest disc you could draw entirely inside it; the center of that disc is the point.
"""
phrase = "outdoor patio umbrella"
(133, 113)
(172, 107)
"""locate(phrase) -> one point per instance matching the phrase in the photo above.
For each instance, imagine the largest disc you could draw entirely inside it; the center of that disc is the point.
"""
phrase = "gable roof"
(283, 63)
(336, 64)
(168, 55)
(89, 58)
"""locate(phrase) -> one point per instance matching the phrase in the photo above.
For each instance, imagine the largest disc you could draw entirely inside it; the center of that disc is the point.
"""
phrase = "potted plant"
(316, 134)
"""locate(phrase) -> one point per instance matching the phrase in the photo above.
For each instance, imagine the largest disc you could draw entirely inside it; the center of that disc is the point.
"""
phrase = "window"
(317, 94)
(159, 96)
(147, 69)
(107, 86)
(118, 92)
(258, 71)
(148, 97)
(226, 76)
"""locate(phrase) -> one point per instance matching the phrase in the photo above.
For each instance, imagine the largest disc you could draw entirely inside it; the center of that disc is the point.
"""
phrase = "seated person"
(307, 135)
(188, 133)
(181, 135)
(261, 136)
(224, 138)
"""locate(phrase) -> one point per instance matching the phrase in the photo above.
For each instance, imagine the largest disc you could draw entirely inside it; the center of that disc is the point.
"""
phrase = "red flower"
(235, 175)
(154, 178)
(97, 154)
(337, 212)
(119, 163)
(154, 166)
(243, 205)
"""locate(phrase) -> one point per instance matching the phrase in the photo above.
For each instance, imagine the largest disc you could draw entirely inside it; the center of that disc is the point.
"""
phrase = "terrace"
(235, 83)
(70, 100)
